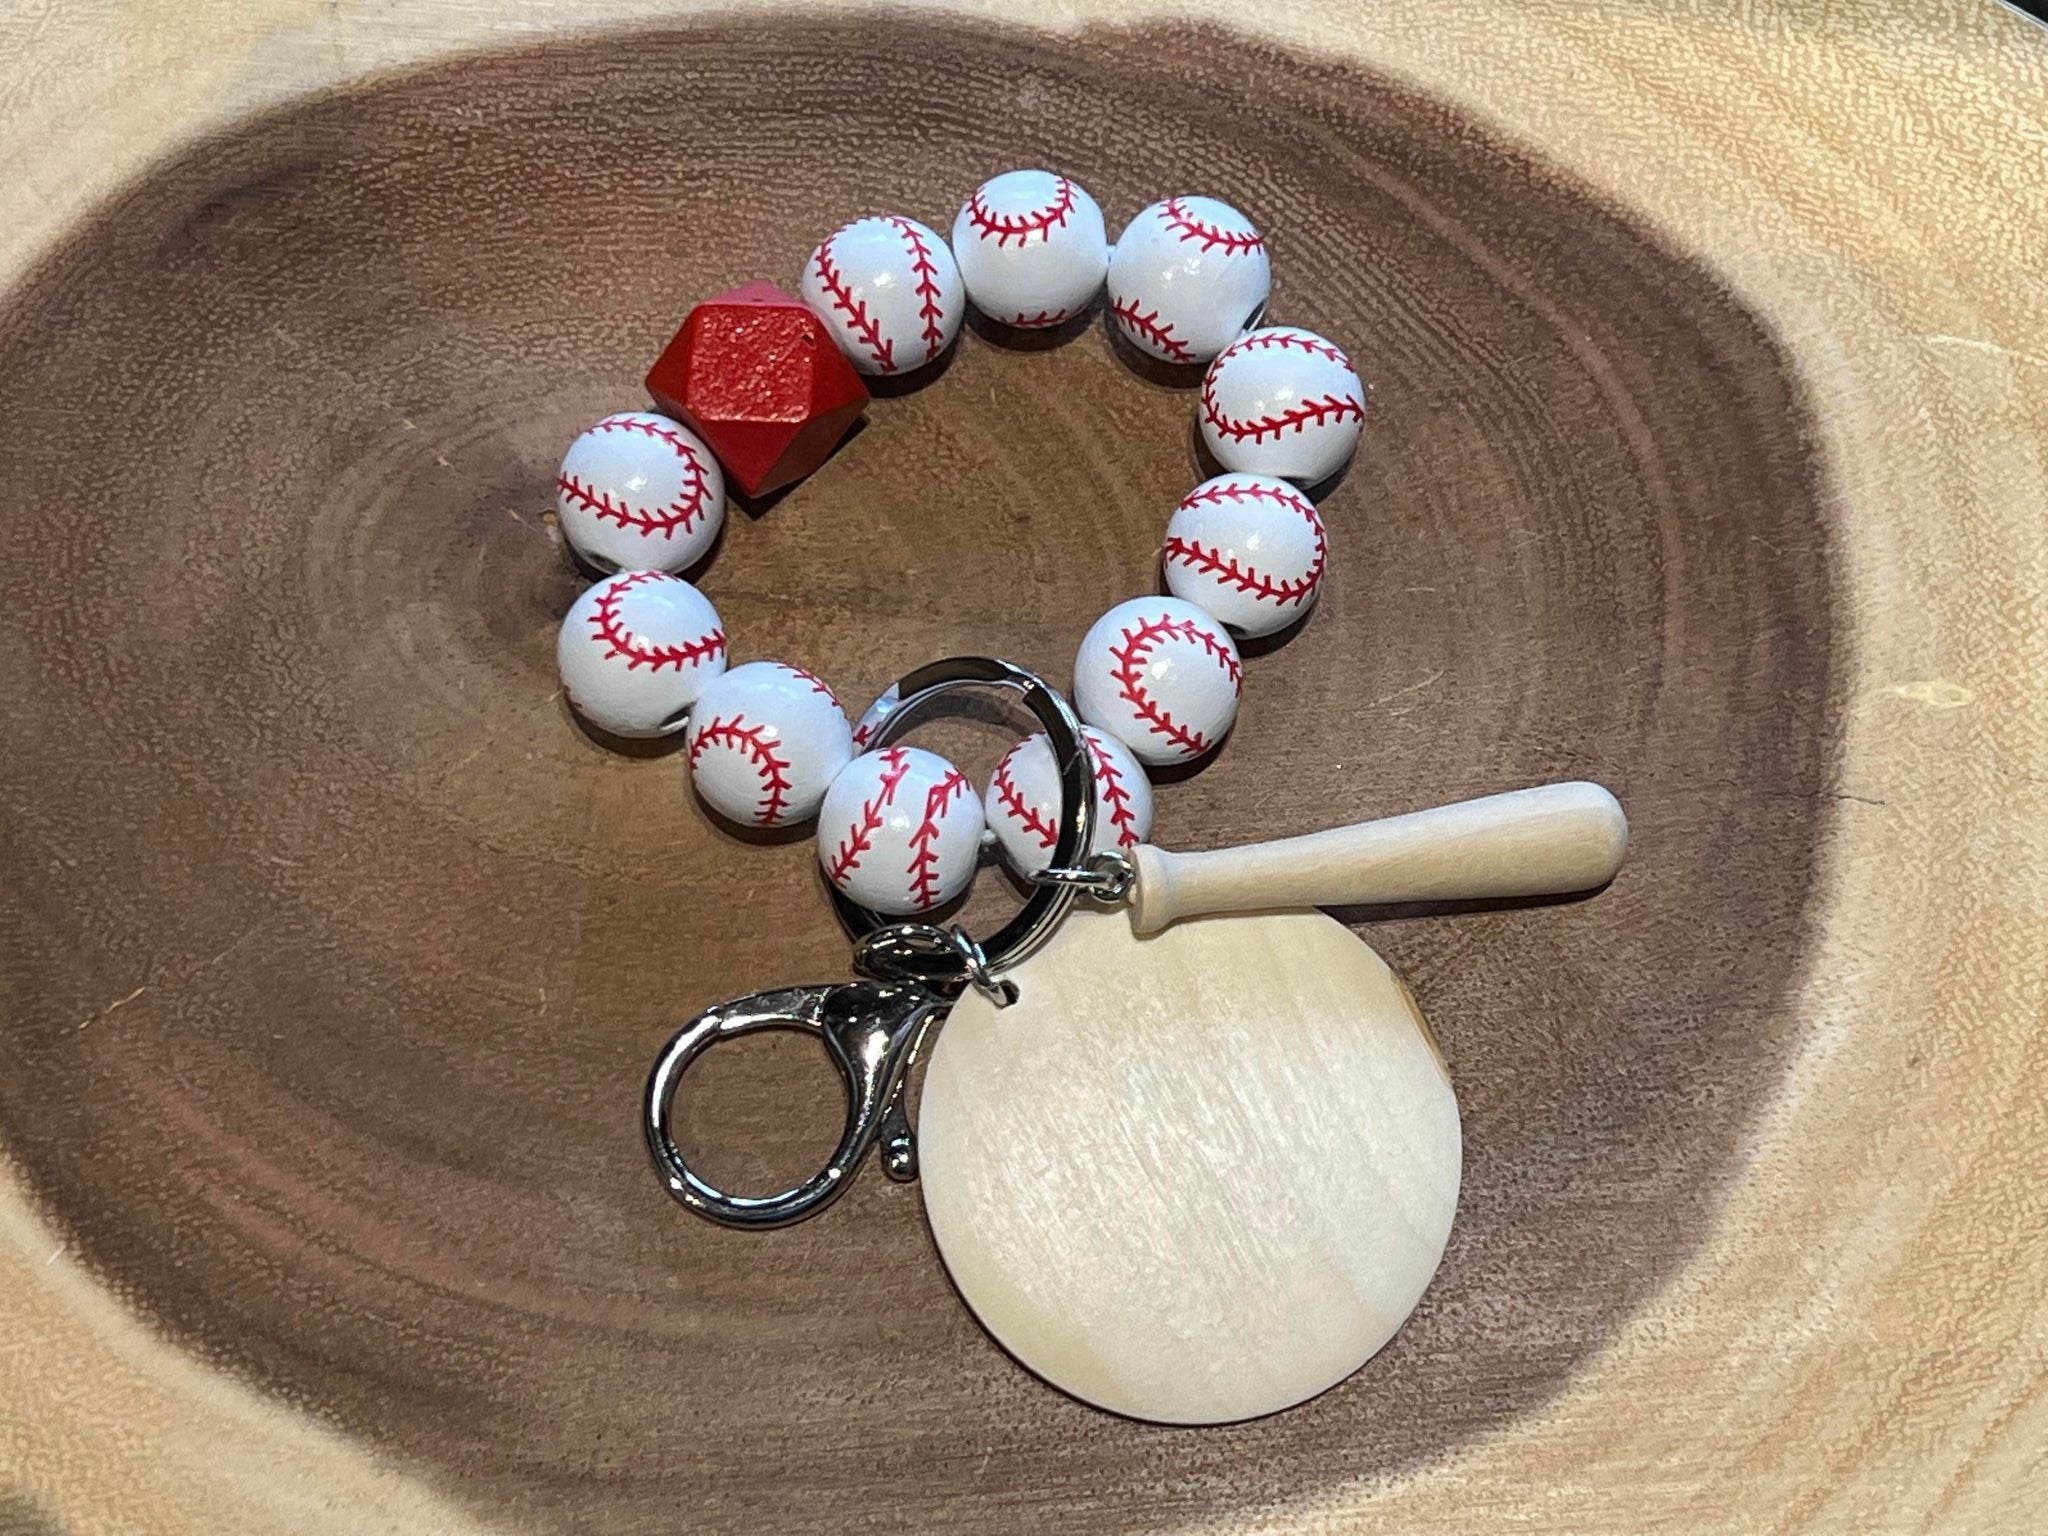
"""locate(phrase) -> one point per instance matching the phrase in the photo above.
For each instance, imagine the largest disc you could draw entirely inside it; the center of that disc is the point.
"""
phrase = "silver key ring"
(873, 1030)
(953, 964)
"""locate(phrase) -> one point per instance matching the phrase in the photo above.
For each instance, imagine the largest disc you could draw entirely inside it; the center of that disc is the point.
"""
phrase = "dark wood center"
(332, 956)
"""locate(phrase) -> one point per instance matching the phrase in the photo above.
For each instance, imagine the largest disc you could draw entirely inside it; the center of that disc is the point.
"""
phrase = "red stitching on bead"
(1249, 579)
(619, 641)
(757, 744)
(1129, 675)
(648, 522)
(881, 349)
(627, 423)
(1043, 318)
(1020, 810)
(818, 684)
(1234, 242)
(1109, 782)
(930, 310)
(1116, 799)
(682, 513)
(860, 837)
(923, 868)
(1286, 341)
(1152, 329)
(865, 728)
(1022, 226)
(1237, 490)
(1309, 413)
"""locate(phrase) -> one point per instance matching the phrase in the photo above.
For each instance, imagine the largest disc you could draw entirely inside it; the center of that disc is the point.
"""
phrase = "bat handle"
(1531, 842)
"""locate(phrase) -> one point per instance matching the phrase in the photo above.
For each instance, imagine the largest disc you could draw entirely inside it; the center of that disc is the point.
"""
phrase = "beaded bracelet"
(758, 387)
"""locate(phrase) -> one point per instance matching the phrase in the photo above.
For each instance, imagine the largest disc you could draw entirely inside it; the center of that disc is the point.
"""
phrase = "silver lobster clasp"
(871, 1031)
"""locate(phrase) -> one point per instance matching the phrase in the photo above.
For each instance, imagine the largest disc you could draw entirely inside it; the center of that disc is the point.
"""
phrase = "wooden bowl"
(1705, 460)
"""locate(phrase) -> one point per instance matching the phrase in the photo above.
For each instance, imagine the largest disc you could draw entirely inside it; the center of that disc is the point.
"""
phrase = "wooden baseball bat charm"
(1544, 841)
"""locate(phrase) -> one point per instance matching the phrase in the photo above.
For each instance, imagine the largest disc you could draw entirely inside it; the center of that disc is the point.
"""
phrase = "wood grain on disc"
(331, 955)
(1195, 1177)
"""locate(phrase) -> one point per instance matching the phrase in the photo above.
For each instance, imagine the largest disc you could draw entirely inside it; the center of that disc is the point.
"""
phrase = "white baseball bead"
(636, 650)
(1249, 549)
(1282, 401)
(1023, 801)
(639, 492)
(1160, 675)
(1187, 276)
(889, 290)
(765, 740)
(900, 831)
(1031, 248)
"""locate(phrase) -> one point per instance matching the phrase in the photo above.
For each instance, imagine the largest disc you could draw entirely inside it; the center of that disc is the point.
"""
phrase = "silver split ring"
(948, 961)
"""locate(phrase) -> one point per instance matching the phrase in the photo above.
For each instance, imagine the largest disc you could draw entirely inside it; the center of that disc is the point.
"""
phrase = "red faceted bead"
(758, 376)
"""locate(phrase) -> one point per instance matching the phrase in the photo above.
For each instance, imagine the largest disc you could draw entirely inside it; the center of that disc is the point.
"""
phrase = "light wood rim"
(1858, 1347)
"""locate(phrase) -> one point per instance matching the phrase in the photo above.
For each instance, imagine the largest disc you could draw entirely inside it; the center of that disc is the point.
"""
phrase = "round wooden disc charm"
(1195, 1177)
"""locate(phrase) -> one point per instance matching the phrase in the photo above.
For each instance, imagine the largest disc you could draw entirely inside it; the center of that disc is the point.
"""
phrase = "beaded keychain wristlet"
(1186, 1173)
(1157, 678)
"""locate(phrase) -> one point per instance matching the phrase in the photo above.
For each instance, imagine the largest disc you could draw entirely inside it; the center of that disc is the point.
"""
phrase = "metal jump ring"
(1107, 877)
(979, 976)
(948, 965)
(883, 953)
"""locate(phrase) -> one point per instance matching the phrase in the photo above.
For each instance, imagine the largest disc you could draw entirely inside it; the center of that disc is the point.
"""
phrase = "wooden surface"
(1707, 349)
(1194, 1177)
